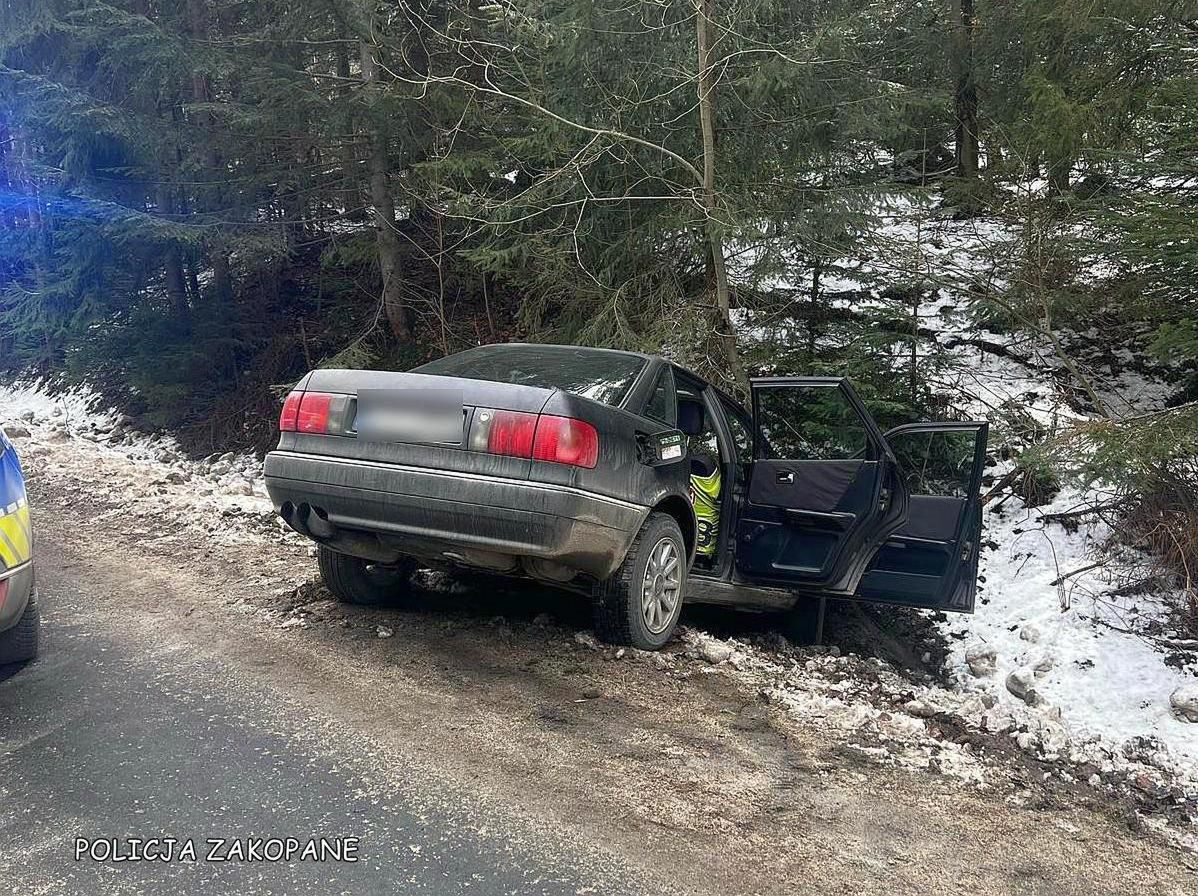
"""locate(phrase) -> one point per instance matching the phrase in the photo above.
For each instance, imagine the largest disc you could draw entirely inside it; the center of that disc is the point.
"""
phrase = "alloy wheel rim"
(661, 587)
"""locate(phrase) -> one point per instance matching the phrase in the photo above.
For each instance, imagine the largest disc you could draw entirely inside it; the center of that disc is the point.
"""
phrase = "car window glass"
(742, 436)
(662, 405)
(936, 463)
(703, 444)
(604, 376)
(809, 423)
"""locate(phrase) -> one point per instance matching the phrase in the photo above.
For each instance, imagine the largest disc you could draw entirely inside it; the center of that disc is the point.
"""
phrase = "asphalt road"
(107, 736)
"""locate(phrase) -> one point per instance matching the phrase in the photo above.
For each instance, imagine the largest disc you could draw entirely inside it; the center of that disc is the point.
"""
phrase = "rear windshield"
(599, 375)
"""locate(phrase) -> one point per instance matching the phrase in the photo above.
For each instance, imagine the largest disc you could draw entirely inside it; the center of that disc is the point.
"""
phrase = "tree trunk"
(913, 369)
(351, 195)
(172, 262)
(965, 96)
(717, 274)
(222, 276)
(812, 329)
(214, 197)
(192, 278)
(1058, 176)
(378, 167)
(176, 284)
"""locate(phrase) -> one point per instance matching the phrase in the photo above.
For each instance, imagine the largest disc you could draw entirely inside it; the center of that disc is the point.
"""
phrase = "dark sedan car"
(630, 478)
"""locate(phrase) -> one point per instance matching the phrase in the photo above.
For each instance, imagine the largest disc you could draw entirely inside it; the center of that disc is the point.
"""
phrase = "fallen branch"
(1077, 572)
(993, 348)
(1006, 479)
(1071, 515)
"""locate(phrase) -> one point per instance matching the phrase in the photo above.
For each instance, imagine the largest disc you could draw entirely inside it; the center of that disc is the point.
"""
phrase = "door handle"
(786, 476)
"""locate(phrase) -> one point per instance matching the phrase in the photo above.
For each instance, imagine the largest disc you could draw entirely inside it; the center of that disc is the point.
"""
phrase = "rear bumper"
(552, 531)
(20, 586)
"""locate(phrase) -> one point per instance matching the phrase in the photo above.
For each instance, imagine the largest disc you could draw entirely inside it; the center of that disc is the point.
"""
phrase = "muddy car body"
(576, 466)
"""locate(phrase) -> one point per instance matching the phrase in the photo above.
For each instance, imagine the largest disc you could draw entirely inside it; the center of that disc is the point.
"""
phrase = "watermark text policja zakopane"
(216, 849)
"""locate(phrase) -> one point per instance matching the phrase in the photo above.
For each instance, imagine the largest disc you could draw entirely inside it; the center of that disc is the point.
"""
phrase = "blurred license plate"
(410, 415)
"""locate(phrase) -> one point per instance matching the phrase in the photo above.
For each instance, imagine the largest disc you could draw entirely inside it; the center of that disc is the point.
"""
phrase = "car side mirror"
(661, 448)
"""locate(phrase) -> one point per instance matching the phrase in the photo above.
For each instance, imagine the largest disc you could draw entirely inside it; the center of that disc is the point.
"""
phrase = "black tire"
(620, 601)
(353, 580)
(19, 643)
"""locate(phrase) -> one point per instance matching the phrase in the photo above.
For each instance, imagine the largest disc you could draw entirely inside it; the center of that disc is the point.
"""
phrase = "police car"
(19, 620)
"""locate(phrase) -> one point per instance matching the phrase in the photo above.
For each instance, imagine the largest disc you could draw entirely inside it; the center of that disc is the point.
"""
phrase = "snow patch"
(231, 481)
(1103, 674)
(1046, 613)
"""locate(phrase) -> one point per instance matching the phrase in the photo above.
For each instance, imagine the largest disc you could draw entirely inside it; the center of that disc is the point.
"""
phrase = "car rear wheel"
(353, 580)
(19, 643)
(640, 604)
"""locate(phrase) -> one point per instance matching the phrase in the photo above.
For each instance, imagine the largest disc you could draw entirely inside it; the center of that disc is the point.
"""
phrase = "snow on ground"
(1098, 675)
(1104, 679)
(952, 262)
(229, 481)
(1076, 636)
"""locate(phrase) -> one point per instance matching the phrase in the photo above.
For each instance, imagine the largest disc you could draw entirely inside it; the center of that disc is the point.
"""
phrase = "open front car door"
(823, 492)
(932, 560)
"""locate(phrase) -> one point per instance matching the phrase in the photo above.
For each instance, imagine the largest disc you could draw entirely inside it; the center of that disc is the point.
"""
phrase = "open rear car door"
(932, 560)
(823, 493)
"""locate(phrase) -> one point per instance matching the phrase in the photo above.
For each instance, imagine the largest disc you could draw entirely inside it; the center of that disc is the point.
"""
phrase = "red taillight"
(559, 440)
(290, 412)
(3, 592)
(564, 440)
(313, 414)
(511, 433)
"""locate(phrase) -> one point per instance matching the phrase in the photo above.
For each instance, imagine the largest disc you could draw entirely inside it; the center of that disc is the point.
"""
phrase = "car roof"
(553, 346)
(499, 346)
(646, 356)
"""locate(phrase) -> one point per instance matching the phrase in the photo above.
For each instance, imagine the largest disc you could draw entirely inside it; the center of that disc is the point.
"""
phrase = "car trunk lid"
(347, 387)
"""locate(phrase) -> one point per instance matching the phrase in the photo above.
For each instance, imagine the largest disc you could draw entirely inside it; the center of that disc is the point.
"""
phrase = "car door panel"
(821, 490)
(821, 486)
(932, 517)
(931, 561)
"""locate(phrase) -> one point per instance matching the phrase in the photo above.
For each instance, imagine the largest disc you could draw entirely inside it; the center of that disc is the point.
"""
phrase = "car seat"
(705, 479)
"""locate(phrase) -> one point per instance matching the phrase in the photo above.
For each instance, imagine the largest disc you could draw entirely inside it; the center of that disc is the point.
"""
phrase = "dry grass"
(1164, 521)
(1144, 472)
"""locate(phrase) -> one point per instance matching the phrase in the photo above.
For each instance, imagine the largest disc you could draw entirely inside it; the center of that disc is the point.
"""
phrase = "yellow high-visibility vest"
(705, 496)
